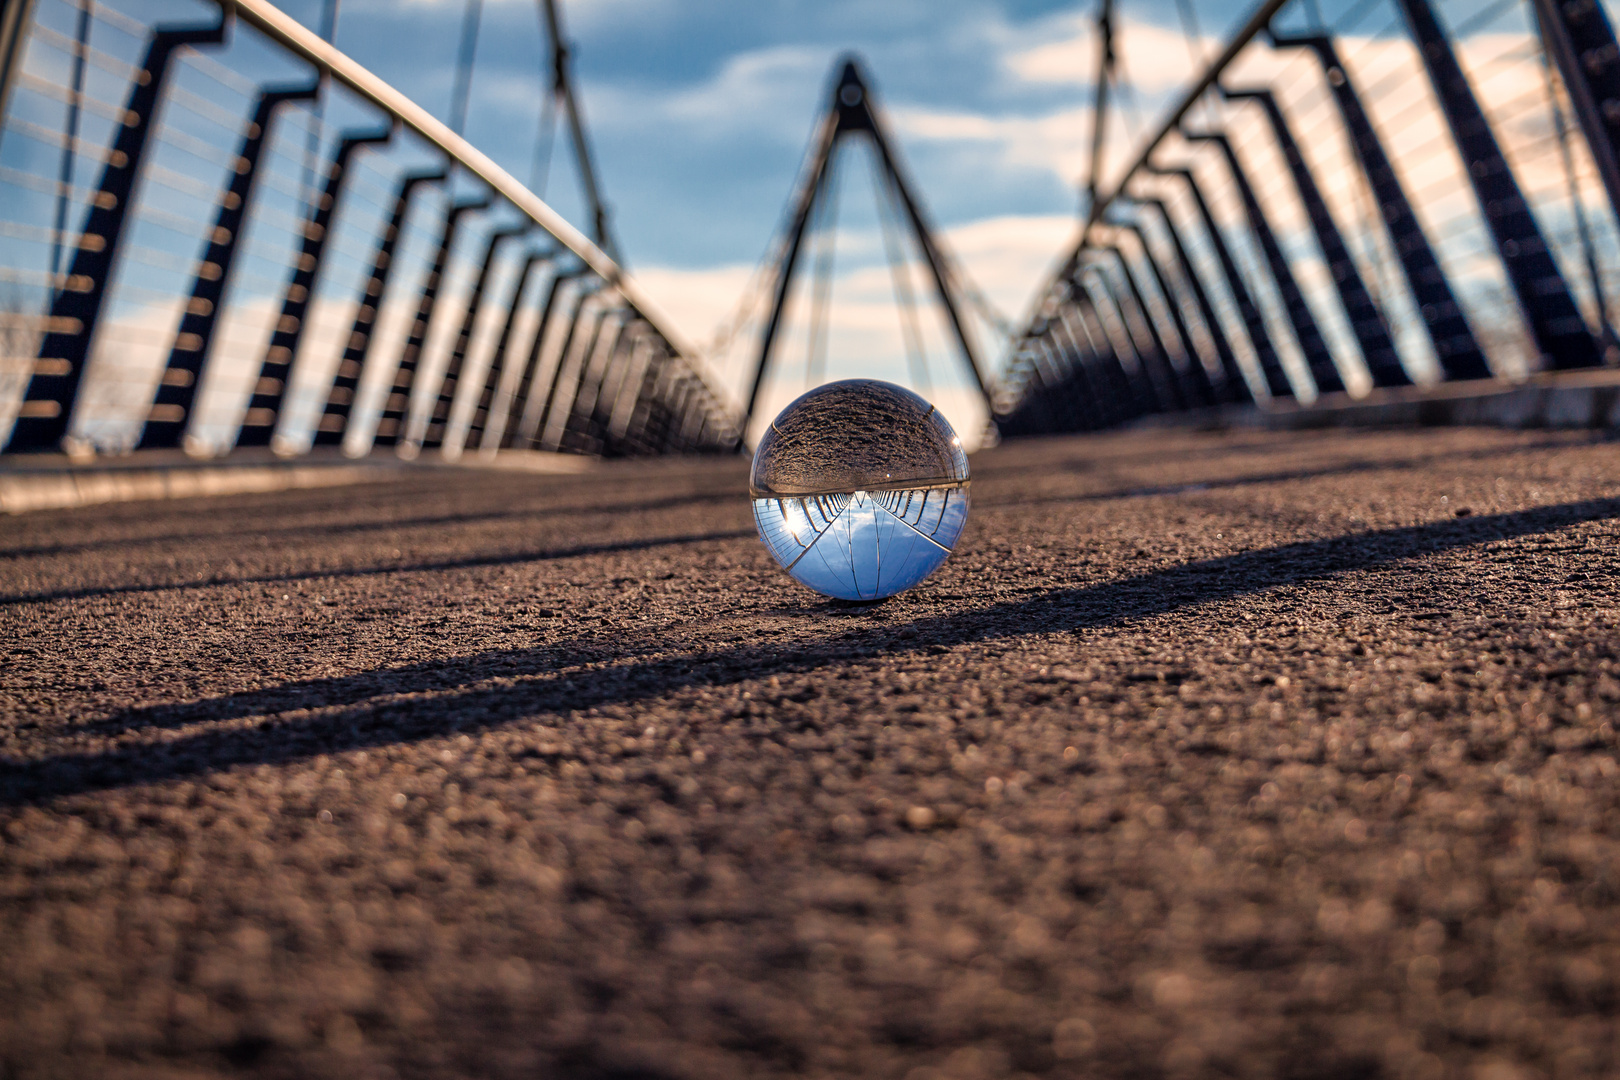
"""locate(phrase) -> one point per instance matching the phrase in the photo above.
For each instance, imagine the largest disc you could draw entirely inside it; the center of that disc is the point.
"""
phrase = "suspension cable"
(900, 273)
(821, 269)
(1582, 226)
(545, 138)
(462, 94)
(65, 173)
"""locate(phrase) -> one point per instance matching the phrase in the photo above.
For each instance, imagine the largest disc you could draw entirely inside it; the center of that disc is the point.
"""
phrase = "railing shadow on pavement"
(531, 682)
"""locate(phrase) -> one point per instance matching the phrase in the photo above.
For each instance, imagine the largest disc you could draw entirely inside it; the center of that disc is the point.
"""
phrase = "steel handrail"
(276, 24)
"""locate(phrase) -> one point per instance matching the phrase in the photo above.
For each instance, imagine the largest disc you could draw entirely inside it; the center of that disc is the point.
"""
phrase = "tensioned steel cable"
(1578, 206)
(821, 271)
(900, 273)
(65, 172)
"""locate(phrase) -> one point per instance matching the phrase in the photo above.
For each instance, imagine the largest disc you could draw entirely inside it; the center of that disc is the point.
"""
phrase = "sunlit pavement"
(1258, 754)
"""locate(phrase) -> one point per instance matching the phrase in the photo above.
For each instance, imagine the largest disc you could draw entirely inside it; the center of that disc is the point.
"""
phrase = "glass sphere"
(860, 489)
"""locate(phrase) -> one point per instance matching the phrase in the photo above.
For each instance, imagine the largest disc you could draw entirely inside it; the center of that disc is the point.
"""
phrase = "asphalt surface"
(1241, 755)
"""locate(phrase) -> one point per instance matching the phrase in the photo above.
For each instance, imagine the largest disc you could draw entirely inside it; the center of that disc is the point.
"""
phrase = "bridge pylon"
(851, 112)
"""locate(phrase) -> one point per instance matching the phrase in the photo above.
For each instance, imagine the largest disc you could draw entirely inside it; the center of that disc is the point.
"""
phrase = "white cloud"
(1007, 255)
(1153, 58)
(577, 15)
(748, 96)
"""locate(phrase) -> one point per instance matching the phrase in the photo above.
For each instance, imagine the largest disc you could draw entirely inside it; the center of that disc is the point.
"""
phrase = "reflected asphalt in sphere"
(860, 489)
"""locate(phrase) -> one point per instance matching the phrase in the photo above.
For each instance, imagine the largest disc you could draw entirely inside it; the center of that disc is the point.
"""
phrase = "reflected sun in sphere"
(860, 489)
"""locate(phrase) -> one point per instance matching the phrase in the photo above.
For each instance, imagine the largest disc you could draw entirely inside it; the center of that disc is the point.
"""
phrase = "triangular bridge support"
(851, 112)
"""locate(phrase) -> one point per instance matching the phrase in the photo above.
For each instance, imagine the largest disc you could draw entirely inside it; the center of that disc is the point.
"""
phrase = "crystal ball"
(860, 489)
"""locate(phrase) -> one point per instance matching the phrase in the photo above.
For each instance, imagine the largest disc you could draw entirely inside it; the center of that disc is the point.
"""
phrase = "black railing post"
(1070, 398)
(1271, 368)
(264, 408)
(1073, 357)
(64, 351)
(439, 420)
(1454, 343)
(1131, 381)
(478, 425)
(1560, 333)
(568, 368)
(176, 396)
(1581, 41)
(519, 405)
(397, 408)
(1116, 274)
(16, 16)
(334, 423)
(1203, 390)
(1378, 350)
(1235, 387)
(580, 430)
(1079, 322)
(1318, 357)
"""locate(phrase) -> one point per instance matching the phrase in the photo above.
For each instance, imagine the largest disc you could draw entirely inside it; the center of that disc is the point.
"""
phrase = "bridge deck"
(1268, 754)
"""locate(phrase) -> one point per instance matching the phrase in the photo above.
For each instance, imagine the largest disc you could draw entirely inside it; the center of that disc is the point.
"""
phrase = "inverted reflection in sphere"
(860, 489)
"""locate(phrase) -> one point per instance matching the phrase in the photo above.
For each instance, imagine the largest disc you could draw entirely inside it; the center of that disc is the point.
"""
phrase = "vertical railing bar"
(1276, 380)
(174, 401)
(53, 390)
(397, 408)
(1367, 323)
(445, 399)
(333, 426)
(277, 369)
(1318, 357)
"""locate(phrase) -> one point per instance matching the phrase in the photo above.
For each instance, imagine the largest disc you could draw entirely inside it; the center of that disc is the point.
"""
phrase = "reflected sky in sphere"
(860, 489)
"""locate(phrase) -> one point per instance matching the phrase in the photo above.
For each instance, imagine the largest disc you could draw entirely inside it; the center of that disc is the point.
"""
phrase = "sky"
(700, 114)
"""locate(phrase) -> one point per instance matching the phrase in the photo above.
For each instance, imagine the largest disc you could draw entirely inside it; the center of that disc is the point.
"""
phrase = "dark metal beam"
(851, 112)
(396, 410)
(16, 16)
(1318, 357)
(70, 329)
(1197, 388)
(334, 423)
(1581, 41)
(439, 421)
(1133, 308)
(176, 394)
(565, 354)
(1234, 388)
(1378, 350)
(477, 426)
(264, 407)
(1453, 339)
(1560, 333)
(519, 404)
(1277, 383)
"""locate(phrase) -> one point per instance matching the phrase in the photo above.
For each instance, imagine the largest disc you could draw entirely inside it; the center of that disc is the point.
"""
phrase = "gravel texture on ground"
(1226, 755)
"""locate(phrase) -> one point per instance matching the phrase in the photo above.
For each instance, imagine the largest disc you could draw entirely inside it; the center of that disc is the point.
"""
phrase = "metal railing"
(1393, 192)
(218, 231)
